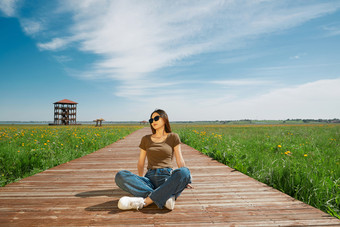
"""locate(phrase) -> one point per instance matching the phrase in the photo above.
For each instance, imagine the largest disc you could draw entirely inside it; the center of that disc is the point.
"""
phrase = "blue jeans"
(158, 184)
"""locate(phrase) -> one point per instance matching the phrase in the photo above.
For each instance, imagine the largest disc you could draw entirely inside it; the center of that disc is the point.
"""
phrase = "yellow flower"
(18, 151)
(45, 144)
(279, 146)
(305, 155)
(287, 152)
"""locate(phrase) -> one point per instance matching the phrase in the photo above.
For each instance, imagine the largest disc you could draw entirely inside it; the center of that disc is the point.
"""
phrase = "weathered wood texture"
(83, 193)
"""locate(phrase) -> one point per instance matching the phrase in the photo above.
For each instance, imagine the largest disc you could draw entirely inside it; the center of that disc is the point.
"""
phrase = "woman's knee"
(121, 175)
(184, 173)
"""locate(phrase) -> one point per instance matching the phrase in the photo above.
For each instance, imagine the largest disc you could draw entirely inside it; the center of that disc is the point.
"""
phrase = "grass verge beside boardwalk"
(302, 161)
(27, 150)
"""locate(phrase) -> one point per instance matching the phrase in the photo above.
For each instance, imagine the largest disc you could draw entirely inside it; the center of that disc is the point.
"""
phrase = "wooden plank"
(83, 193)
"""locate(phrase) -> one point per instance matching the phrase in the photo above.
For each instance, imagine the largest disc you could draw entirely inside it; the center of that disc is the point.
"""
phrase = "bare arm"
(141, 162)
(179, 158)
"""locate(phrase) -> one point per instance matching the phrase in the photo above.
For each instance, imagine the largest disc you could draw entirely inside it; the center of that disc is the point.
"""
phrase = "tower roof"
(65, 101)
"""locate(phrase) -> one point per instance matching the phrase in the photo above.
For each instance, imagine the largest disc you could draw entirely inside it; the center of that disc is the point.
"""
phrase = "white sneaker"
(170, 203)
(128, 203)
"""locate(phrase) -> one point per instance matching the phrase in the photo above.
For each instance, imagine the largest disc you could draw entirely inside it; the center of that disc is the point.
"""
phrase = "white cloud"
(295, 57)
(31, 27)
(242, 82)
(236, 57)
(298, 56)
(142, 88)
(332, 29)
(9, 7)
(55, 44)
(62, 58)
(136, 38)
(318, 99)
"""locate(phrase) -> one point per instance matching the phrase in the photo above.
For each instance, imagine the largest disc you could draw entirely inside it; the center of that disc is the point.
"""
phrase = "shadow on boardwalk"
(107, 206)
(83, 193)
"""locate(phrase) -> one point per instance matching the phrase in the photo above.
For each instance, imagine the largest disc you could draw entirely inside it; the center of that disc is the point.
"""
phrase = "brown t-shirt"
(160, 154)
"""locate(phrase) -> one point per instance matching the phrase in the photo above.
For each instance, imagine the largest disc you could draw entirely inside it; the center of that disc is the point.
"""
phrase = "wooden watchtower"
(65, 112)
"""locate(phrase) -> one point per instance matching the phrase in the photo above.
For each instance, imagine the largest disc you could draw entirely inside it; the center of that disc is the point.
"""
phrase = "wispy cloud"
(236, 57)
(309, 100)
(136, 38)
(135, 42)
(298, 56)
(62, 58)
(9, 7)
(332, 29)
(55, 44)
(142, 88)
(242, 82)
(31, 27)
(318, 99)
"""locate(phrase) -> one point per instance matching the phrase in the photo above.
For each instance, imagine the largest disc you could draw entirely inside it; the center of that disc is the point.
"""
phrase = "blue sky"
(198, 60)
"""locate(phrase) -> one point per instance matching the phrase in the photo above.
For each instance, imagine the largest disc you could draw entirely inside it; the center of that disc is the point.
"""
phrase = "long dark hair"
(165, 118)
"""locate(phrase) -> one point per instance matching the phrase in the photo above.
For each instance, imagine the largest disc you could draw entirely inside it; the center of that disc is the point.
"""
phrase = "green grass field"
(302, 161)
(27, 150)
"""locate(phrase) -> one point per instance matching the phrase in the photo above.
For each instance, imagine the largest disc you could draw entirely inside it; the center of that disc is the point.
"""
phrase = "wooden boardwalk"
(83, 193)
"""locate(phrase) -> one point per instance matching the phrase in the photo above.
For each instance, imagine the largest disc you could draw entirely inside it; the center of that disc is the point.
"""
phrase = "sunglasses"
(154, 119)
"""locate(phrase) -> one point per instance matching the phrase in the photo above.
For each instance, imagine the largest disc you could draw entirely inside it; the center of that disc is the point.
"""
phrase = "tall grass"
(26, 150)
(302, 161)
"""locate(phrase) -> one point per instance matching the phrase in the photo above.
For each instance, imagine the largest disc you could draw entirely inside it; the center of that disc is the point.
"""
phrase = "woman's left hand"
(190, 186)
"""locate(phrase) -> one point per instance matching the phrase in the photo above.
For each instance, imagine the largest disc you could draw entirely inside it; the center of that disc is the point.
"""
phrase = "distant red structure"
(65, 112)
(143, 122)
